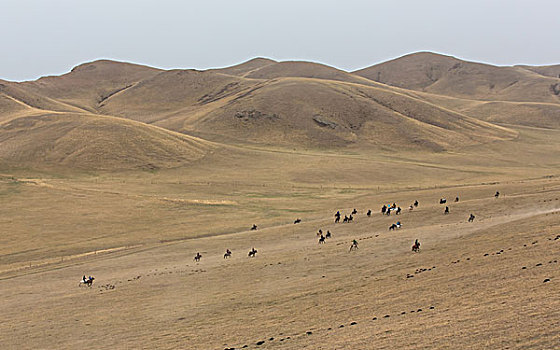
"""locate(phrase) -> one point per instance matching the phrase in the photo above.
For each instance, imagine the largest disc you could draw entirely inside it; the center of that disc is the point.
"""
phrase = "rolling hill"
(94, 142)
(450, 76)
(419, 102)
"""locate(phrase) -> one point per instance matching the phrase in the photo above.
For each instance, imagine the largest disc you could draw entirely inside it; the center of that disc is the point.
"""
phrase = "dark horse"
(471, 218)
(398, 211)
(87, 281)
(354, 212)
(321, 239)
(442, 201)
(446, 210)
(369, 212)
(252, 253)
(227, 254)
(297, 221)
(416, 247)
(392, 227)
(197, 257)
(497, 194)
(354, 245)
(254, 227)
(415, 203)
(328, 235)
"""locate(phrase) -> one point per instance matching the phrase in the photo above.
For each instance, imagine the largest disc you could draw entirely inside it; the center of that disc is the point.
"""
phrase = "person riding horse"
(369, 212)
(321, 239)
(415, 203)
(383, 209)
(254, 227)
(87, 281)
(354, 245)
(471, 218)
(252, 253)
(197, 257)
(497, 194)
(416, 246)
(227, 254)
(446, 210)
(328, 235)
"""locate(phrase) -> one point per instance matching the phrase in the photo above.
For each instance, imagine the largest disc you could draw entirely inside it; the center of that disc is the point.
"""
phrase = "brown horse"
(227, 254)
(197, 257)
(87, 282)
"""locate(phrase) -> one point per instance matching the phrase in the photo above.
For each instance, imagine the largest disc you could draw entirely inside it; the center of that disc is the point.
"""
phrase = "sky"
(49, 37)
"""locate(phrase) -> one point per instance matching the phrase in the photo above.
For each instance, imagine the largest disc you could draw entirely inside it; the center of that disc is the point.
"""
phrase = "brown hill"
(299, 69)
(171, 92)
(245, 67)
(94, 142)
(88, 85)
(548, 71)
(316, 113)
(450, 76)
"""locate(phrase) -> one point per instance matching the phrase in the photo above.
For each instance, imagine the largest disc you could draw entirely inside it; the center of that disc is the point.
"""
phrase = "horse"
(398, 211)
(337, 219)
(354, 246)
(328, 235)
(392, 227)
(383, 209)
(442, 201)
(322, 239)
(446, 210)
(456, 199)
(415, 203)
(345, 219)
(411, 207)
(297, 221)
(354, 212)
(254, 227)
(227, 254)
(416, 247)
(197, 257)
(497, 194)
(252, 253)
(87, 282)
(369, 212)
(350, 218)
(319, 233)
(471, 218)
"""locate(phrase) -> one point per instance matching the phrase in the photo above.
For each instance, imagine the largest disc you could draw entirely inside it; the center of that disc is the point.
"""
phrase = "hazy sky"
(46, 37)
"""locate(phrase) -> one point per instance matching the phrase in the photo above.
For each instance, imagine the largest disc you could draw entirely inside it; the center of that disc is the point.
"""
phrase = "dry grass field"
(128, 178)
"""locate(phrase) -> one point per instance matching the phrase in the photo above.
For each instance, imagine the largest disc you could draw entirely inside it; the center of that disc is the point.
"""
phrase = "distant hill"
(245, 67)
(450, 76)
(548, 71)
(114, 115)
(88, 85)
(298, 69)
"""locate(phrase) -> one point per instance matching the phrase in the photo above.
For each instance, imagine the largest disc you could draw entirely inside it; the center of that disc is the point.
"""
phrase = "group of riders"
(386, 210)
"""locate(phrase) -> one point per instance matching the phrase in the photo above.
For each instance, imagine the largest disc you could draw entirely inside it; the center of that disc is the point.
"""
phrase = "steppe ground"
(473, 285)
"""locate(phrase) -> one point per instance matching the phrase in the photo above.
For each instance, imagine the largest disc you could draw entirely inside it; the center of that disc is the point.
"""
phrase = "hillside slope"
(93, 142)
(450, 76)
